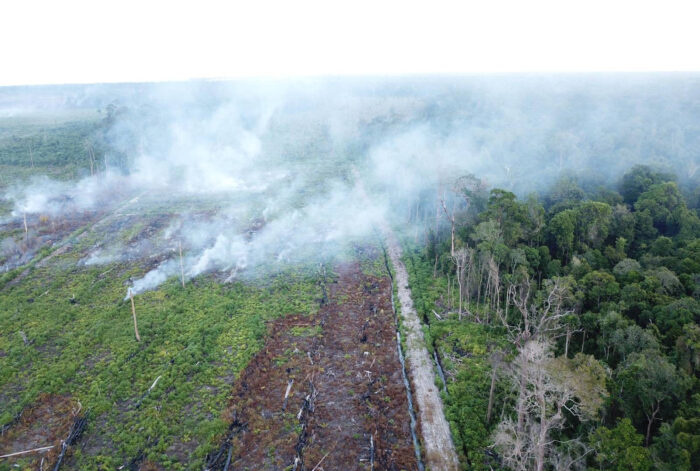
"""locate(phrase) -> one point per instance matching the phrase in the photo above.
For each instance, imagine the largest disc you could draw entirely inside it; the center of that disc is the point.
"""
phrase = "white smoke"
(265, 172)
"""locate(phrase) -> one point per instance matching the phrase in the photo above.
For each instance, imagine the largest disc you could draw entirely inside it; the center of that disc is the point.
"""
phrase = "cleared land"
(345, 405)
(223, 355)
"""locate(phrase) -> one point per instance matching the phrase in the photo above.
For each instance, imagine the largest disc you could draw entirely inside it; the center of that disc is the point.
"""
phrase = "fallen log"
(76, 430)
(321, 461)
(15, 419)
(228, 458)
(214, 461)
(138, 404)
(33, 450)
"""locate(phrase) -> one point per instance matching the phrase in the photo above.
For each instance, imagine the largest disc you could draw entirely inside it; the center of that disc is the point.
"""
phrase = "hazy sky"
(76, 41)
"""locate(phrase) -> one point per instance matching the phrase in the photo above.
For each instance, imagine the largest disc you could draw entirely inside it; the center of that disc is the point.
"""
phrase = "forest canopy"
(586, 305)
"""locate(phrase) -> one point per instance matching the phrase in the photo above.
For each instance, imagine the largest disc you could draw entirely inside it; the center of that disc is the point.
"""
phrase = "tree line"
(597, 294)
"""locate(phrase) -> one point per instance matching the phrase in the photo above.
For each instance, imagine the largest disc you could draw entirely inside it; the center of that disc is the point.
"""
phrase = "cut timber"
(439, 451)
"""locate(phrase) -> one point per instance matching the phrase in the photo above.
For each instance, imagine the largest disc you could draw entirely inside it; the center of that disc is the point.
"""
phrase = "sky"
(77, 41)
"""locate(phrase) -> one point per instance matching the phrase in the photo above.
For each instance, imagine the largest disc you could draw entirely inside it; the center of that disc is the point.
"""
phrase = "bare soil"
(347, 406)
(46, 423)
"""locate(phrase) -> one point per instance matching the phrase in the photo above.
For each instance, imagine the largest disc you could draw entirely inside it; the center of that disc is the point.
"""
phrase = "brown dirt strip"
(438, 448)
(347, 407)
(45, 423)
(439, 451)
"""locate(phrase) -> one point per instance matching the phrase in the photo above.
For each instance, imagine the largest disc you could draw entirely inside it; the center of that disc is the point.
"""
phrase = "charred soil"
(345, 405)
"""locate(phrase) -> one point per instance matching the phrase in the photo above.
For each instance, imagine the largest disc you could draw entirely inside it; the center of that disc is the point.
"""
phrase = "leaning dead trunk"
(491, 391)
(182, 266)
(133, 312)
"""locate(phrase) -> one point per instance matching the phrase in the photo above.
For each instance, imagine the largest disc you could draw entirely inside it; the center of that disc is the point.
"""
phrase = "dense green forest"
(566, 323)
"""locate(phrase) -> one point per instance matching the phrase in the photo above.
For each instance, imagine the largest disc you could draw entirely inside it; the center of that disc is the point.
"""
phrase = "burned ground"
(45, 424)
(347, 405)
(69, 333)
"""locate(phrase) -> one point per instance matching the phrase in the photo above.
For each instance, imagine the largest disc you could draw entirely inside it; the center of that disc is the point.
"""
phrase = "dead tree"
(91, 155)
(496, 359)
(460, 259)
(549, 390)
(537, 320)
(133, 312)
(182, 266)
(451, 218)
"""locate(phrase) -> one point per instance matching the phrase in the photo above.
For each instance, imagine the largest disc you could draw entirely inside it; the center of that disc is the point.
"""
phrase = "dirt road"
(439, 451)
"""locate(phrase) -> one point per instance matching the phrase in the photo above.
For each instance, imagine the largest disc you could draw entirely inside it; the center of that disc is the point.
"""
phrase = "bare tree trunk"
(540, 446)
(521, 403)
(568, 338)
(460, 298)
(478, 289)
(26, 229)
(92, 162)
(449, 292)
(133, 312)
(182, 266)
(454, 221)
(437, 214)
(491, 393)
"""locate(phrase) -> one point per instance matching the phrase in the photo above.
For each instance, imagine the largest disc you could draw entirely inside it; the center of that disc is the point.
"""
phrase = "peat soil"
(346, 406)
(46, 423)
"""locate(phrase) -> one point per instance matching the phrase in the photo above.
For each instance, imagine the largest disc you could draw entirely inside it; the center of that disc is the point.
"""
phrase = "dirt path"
(439, 451)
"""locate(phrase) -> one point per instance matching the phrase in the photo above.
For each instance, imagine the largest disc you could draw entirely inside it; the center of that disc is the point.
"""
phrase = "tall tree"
(548, 391)
(648, 385)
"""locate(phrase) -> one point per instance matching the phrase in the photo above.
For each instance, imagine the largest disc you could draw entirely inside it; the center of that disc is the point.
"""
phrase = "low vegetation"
(68, 331)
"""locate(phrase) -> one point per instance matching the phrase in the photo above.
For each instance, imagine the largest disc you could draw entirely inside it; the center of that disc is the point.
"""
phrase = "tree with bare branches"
(549, 389)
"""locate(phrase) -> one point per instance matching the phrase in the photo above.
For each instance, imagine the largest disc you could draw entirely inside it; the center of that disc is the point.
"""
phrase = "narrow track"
(438, 448)
(439, 451)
